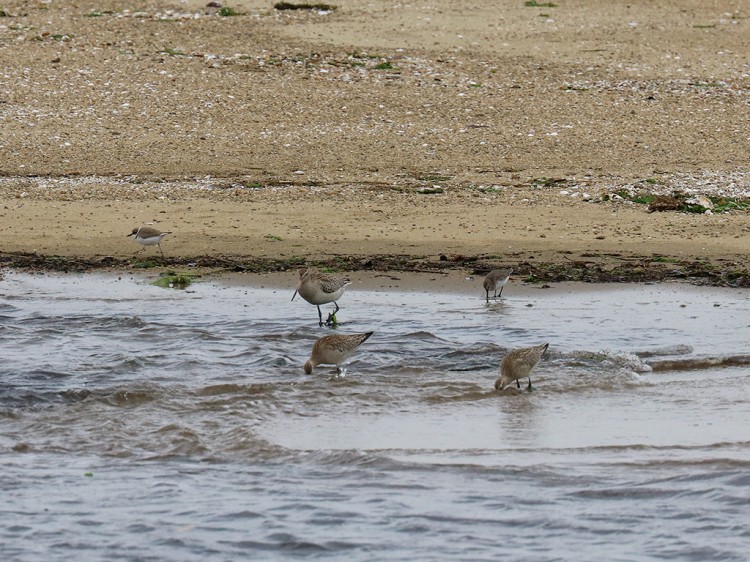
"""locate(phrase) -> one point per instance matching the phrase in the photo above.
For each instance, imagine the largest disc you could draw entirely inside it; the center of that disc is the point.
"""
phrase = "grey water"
(140, 423)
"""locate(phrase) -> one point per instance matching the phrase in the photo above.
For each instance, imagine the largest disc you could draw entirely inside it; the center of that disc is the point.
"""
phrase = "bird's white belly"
(151, 241)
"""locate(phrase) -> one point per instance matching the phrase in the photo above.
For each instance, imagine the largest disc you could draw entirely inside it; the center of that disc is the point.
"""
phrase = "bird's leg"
(518, 384)
(320, 316)
(501, 291)
(332, 316)
(488, 296)
(529, 387)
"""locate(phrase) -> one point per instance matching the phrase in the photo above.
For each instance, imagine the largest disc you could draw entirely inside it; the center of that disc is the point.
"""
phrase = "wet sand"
(420, 137)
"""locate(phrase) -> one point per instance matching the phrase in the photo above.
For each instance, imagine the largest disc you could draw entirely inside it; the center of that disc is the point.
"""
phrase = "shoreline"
(397, 282)
(543, 233)
(611, 269)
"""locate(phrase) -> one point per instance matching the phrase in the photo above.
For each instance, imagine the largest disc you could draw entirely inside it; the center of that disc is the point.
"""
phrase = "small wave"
(47, 375)
(120, 322)
(7, 307)
(283, 337)
(273, 362)
(57, 323)
(698, 363)
(75, 394)
(125, 398)
(286, 542)
(478, 357)
(205, 335)
(25, 399)
(464, 395)
(349, 457)
(611, 359)
(419, 335)
(177, 440)
(678, 349)
(245, 389)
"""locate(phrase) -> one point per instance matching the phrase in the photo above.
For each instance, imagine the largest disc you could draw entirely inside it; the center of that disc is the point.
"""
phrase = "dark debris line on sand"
(613, 269)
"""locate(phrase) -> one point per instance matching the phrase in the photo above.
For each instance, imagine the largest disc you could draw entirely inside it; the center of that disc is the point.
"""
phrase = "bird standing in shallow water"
(496, 279)
(518, 364)
(148, 236)
(334, 350)
(320, 288)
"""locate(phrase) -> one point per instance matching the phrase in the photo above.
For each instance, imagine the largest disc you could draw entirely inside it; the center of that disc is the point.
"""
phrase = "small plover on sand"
(496, 279)
(518, 364)
(320, 288)
(148, 236)
(334, 350)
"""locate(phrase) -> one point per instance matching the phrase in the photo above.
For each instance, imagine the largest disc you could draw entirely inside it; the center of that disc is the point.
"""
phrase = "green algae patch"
(172, 280)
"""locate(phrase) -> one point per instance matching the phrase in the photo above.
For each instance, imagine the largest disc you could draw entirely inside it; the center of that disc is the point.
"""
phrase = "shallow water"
(155, 424)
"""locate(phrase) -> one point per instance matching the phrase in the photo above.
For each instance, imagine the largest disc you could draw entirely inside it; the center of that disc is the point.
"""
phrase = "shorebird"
(148, 236)
(518, 364)
(496, 279)
(320, 288)
(334, 350)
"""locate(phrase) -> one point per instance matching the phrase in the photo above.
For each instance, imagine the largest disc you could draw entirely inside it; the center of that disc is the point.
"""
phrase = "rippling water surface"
(154, 424)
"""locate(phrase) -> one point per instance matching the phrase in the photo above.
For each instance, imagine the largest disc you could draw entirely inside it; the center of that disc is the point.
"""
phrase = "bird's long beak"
(294, 295)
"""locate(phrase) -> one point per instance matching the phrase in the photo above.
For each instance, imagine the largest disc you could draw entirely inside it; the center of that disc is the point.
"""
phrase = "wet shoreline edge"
(592, 268)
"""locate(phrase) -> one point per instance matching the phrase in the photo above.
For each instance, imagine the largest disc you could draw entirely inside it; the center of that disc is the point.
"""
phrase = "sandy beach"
(379, 136)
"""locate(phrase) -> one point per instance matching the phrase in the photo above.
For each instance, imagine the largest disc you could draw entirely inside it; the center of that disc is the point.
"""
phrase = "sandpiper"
(320, 288)
(148, 236)
(496, 279)
(518, 364)
(334, 350)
